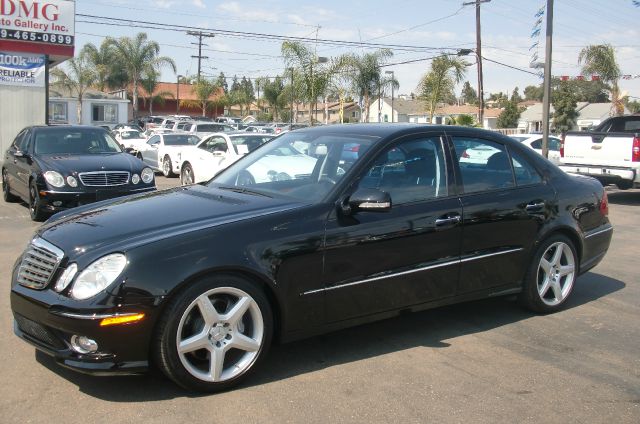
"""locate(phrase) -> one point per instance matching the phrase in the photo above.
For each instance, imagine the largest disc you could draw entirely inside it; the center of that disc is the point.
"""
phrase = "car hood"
(68, 164)
(125, 223)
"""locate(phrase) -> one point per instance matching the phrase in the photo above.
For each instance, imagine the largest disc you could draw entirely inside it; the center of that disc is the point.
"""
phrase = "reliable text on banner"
(22, 69)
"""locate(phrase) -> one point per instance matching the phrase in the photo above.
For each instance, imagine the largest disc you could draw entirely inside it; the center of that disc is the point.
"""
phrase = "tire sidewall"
(164, 171)
(183, 170)
(530, 296)
(169, 360)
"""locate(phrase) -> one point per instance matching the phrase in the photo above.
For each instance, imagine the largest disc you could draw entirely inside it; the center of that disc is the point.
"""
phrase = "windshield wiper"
(244, 191)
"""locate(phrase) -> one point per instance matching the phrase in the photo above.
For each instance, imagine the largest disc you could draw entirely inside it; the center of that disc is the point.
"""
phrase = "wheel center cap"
(218, 332)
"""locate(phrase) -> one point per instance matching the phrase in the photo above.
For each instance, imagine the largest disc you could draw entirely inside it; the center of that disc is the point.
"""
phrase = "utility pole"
(546, 100)
(479, 59)
(200, 36)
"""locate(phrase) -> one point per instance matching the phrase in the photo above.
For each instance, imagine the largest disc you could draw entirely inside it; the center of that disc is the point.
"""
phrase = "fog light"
(57, 203)
(82, 344)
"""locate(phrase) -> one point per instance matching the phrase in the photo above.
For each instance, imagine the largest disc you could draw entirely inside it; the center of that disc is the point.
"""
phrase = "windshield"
(127, 135)
(520, 138)
(248, 143)
(301, 165)
(180, 140)
(75, 141)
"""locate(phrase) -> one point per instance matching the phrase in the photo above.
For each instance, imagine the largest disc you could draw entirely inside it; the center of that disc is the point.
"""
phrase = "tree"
(78, 77)
(108, 72)
(601, 60)
(222, 82)
(273, 95)
(633, 106)
(509, 116)
(565, 112)
(136, 56)
(465, 120)
(365, 72)
(532, 92)
(204, 89)
(440, 81)
(469, 94)
(499, 98)
(149, 83)
(515, 96)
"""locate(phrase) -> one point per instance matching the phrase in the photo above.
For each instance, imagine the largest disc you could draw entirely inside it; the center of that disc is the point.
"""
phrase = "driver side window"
(154, 141)
(412, 171)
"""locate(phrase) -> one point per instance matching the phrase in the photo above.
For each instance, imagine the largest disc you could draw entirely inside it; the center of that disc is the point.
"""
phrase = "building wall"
(19, 108)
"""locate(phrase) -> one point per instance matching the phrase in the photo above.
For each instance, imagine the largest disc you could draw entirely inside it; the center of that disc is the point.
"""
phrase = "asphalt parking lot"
(487, 361)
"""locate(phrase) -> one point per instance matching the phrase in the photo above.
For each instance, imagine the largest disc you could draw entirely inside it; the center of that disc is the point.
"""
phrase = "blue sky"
(506, 30)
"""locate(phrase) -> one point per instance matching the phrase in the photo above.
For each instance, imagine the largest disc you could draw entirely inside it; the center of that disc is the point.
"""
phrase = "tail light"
(562, 145)
(355, 148)
(278, 130)
(604, 204)
(635, 150)
(465, 155)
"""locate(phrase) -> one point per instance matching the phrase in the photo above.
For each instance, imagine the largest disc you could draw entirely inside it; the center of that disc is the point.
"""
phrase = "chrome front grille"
(39, 263)
(104, 178)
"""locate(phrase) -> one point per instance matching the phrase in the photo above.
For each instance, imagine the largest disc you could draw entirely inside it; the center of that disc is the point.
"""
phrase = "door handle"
(448, 220)
(534, 207)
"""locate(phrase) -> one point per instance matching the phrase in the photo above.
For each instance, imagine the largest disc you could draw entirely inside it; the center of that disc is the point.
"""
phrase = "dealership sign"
(22, 69)
(46, 27)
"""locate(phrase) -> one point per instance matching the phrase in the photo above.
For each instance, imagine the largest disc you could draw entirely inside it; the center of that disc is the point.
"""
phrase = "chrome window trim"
(424, 268)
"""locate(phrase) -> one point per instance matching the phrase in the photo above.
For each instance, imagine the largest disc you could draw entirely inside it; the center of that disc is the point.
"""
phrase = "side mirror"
(20, 154)
(367, 200)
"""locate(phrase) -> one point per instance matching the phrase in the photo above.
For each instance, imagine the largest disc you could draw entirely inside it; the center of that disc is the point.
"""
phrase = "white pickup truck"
(610, 153)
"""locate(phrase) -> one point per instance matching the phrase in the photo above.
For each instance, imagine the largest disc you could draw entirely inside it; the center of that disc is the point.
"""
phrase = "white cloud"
(199, 3)
(163, 4)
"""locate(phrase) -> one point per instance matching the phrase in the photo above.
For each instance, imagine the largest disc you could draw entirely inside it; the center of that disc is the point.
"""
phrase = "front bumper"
(42, 319)
(56, 201)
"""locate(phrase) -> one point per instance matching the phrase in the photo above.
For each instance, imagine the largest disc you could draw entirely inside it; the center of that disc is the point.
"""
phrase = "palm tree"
(273, 94)
(108, 73)
(204, 89)
(149, 83)
(366, 75)
(600, 59)
(136, 56)
(437, 84)
(78, 78)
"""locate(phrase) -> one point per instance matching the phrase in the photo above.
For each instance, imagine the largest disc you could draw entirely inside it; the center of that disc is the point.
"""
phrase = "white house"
(98, 108)
(589, 115)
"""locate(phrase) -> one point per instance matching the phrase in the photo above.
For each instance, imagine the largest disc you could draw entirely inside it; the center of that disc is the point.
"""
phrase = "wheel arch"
(250, 276)
(568, 232)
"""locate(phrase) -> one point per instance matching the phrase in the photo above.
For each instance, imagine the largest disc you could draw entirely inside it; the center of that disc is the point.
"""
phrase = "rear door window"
(484, 164)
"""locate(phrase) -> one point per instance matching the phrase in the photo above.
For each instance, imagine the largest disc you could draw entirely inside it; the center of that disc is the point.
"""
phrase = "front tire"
(551, 276)
(6, 189)
(35, 208)
(214, 333)
(187, 176)
(167, 169)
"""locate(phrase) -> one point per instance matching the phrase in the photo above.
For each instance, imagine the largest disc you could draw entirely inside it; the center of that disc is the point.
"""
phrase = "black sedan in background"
(57, 168)
(316, 230)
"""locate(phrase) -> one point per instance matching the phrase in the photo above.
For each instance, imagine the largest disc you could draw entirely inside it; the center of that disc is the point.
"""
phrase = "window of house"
(354, 114)
(104, 113)
(58, 113)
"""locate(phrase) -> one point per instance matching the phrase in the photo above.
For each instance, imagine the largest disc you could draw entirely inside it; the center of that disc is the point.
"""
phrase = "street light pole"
(178, 95)
(546, 101)
(291, 112)
(319, 59)
(393, 79)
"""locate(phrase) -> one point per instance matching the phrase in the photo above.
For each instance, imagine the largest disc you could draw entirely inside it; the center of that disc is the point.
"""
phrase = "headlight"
(71, 180)
(135, 179)
(54, 178)
(66, 277)
(146, 175)
(98, 276)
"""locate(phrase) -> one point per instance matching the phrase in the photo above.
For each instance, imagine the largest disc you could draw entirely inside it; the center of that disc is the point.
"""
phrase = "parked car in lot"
(216, 152)
(205, 128)
(132, 141)
(610, 152)
(214, 273)
(57, 168)
(163, 151)
(535, 142)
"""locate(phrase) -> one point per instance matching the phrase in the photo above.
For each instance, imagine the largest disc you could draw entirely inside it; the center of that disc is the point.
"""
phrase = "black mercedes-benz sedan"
(316, 230)
(54, 168)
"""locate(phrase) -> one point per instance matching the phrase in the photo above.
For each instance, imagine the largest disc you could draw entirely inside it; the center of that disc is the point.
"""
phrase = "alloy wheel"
(166, 167)
(220, 334)
(187, 175)
(556, 273)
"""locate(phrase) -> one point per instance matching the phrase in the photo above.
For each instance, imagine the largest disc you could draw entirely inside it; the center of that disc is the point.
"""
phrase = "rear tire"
(167, 169)
(551, 275)
(6, 189)
(214, 333)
